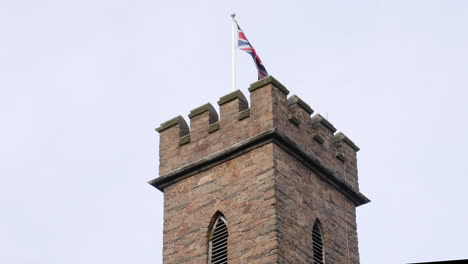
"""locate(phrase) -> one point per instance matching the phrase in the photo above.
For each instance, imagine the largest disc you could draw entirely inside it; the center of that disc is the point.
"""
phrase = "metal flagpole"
(234, 46)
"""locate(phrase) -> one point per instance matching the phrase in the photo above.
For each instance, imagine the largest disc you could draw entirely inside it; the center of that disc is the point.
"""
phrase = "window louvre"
(317, 241)
(218, 245)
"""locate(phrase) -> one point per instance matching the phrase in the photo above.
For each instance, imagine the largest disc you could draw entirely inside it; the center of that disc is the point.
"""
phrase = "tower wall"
(269, 168)
(242, 189)
(301, 198)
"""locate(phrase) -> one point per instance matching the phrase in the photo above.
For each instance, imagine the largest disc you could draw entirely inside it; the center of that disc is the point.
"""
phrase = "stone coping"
(202, 109)
(231, 96)
(308, 158)
(268, 80)
(296, 100)
(174, 121)
(340, 136)
(319, 118)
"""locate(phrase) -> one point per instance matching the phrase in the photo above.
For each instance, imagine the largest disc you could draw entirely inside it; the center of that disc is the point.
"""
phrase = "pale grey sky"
(84, 83)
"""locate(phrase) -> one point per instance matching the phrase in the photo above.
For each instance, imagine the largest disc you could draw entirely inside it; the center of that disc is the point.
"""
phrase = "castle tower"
(265, 183)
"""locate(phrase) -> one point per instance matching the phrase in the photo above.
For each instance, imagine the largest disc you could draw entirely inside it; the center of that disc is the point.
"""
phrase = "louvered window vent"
(317, 239)
(218, 245)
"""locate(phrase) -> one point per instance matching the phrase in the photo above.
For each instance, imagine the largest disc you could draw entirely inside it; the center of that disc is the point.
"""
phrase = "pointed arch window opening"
(218, 242)
(317, 243)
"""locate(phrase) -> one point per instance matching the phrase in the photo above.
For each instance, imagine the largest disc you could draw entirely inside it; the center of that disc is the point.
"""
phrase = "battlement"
(271, 117)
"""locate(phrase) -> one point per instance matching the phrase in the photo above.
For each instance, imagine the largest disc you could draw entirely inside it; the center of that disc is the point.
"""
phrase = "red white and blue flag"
(245, 45)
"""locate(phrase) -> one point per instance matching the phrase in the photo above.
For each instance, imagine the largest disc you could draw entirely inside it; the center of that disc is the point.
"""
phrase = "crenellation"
(237, 94)
(169, 134)
(178, 120)
(200, 120)
(346, 153)
(212, 114)
(342, 137)
(269, 108)
(230, 106)
(322, 130)
(320, 138)
(270, 168)
(322, 121)
(296, 104)
(270, 80)
(299, 112)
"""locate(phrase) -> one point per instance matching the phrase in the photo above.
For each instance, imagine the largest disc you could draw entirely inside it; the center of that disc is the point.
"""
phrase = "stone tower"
(284, 184)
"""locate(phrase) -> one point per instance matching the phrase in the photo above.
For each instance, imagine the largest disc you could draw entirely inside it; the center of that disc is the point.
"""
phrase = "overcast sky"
(84, 83)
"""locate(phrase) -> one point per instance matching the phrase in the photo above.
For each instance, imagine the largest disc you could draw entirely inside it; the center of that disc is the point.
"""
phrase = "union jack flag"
(244, 44)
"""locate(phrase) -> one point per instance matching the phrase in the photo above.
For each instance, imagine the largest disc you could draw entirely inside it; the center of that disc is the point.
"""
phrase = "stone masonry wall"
(302, 198)
(270, 108)
(270, 197)
(241, 189)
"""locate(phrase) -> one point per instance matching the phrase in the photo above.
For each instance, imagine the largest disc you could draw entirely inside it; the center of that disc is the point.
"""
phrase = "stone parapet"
(269, 108)
(270, 169)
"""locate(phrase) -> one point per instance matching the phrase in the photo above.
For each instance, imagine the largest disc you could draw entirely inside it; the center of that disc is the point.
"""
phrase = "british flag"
(244, 45)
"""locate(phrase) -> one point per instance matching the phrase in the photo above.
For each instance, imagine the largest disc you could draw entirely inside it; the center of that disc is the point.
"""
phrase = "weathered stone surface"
(301, 198)
(213, 115)
(295, 100)
(308, 158)
(232, 96)
(270, 176)
(246, 202)
(179, 120)
(270, 80)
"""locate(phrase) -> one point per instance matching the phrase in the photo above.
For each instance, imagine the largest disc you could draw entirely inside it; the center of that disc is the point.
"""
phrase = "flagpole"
(234, 46)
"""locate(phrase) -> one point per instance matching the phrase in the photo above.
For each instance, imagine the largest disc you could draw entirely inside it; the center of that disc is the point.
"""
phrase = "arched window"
(317, 240)
(218, 241)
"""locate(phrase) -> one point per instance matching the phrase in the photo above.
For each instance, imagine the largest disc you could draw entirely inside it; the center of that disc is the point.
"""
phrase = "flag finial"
(233, 15)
